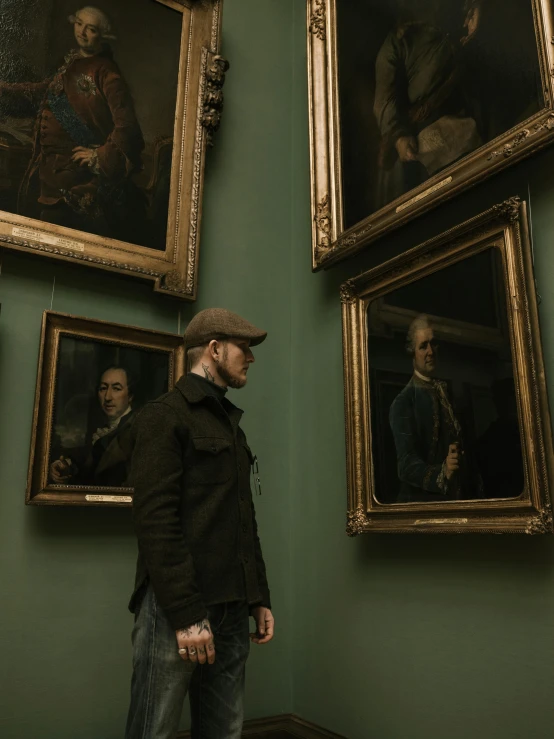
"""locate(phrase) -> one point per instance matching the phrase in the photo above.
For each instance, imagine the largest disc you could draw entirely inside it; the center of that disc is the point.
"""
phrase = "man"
(87, 140)
(200, 570)
(424, 110)
(106, 463)
(427, 434)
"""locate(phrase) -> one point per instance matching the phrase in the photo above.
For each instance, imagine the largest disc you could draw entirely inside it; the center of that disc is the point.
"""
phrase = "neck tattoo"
(207, 374)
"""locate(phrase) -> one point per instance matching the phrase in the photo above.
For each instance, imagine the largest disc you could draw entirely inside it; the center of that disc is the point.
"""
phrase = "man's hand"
(406, 146)
(196, 642)
(82, 156)
(452, 461)
(471, 24)
(61, 471)
(264, 625)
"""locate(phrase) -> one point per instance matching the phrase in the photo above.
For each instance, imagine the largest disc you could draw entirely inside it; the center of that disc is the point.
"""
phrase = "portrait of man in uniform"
(82, 144)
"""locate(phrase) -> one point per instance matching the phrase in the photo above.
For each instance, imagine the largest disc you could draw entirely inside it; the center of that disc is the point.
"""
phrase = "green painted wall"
(408, 637)
(67, 573)
(378, 637)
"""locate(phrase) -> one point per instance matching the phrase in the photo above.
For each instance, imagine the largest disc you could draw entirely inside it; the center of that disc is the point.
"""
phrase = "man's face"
(113, 393)
(425, 351)
(233, 365)
(87, 32)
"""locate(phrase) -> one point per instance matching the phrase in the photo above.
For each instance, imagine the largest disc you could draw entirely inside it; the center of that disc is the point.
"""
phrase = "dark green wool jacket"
(192, 505)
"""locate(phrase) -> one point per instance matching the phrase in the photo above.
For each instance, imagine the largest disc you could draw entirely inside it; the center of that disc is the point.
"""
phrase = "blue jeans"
(161, 678)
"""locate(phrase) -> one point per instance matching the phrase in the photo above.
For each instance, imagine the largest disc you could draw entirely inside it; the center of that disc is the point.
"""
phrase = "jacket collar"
(428, 384)
(194, 392)
(123, 421)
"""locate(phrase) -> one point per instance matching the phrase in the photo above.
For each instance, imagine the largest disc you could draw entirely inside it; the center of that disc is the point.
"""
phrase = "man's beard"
(231, 381)
(228, 379)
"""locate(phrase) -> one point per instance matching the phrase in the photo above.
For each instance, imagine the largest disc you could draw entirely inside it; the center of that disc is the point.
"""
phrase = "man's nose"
(250, 357)
(108, 395)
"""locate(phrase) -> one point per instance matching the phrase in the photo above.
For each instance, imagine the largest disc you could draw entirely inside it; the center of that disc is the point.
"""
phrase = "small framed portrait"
(413, 101)
(447, 418)
(105, 114)
(93, 379)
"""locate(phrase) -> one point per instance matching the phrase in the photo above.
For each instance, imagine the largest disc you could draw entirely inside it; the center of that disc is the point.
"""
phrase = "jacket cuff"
(432, 481)
(265, 601)
(190, 612)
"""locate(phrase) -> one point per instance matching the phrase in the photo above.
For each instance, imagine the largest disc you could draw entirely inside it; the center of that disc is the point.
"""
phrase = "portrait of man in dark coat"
(105, 462)
(431, 455)
(99, 389)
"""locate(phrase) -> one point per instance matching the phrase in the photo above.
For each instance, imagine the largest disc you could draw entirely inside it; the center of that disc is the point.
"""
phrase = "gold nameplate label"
(108, 499)
(424, 194)
(43, 237)
(434, 521)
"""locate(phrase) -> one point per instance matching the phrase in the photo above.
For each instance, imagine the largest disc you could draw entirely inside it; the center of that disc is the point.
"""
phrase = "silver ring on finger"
(183, 650)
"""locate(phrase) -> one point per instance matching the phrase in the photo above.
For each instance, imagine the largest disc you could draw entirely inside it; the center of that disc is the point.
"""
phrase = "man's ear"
(214, 349)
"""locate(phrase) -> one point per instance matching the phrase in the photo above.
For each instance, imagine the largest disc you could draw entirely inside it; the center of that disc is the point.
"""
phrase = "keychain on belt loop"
(256, 474)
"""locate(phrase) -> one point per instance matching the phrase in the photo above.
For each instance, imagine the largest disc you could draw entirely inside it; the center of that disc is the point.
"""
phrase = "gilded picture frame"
(370, 132)
(93, 377)
(463, 443)
(134, 208)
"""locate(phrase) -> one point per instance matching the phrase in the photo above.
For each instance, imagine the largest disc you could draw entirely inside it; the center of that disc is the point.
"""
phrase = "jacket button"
(244, 529)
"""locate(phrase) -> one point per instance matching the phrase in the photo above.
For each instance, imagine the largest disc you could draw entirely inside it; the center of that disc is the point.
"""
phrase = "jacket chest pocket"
(212, 462)
(249, 454)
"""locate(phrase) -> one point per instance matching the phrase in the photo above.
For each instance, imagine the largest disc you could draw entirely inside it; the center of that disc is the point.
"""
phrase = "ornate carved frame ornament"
(331, 241)
(505, 228)
(56, 327)
(172, 271)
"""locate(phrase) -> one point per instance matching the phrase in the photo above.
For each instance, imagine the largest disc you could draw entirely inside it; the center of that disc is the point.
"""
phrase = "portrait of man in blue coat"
(431, 459)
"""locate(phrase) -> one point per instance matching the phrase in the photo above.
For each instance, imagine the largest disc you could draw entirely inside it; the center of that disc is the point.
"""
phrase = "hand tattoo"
(207, 374)
(203, 625)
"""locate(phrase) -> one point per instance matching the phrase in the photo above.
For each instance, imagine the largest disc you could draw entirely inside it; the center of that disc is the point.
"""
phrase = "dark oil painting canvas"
(445, 417)
(99, 389)
(87, 111)
(423, 84)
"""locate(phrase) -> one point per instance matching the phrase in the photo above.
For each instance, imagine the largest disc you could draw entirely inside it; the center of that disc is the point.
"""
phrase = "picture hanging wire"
(539, 298)
(53, 290)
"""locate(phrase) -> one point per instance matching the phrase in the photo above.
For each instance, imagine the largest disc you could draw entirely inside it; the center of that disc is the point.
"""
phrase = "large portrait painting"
(102, 135)
(447, 416)
(93, 379)
(414, 100)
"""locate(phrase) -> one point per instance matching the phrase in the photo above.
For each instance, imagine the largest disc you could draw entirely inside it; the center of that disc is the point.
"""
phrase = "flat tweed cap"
(218, 323)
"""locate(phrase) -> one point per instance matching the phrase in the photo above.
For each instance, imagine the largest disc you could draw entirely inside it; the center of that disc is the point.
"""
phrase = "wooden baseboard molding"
(287, 725)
